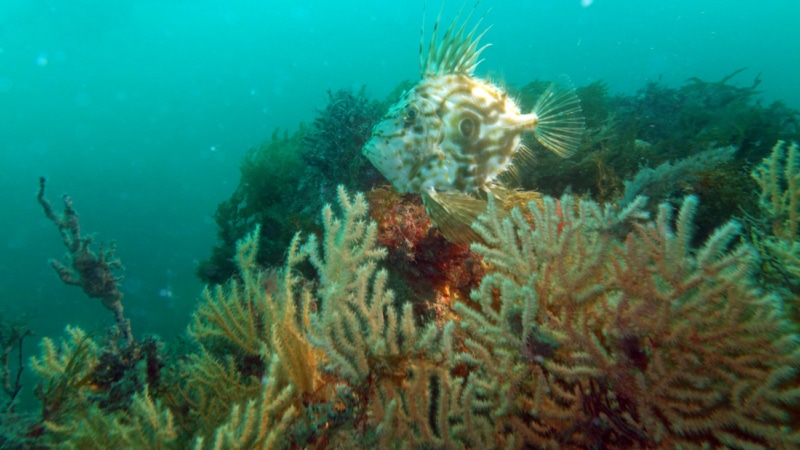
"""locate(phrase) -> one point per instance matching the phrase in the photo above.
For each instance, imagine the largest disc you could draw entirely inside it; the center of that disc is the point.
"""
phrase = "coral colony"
(652, 305)
(571, 324)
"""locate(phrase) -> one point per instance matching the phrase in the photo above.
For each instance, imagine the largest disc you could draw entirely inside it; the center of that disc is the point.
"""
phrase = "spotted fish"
(453, 135)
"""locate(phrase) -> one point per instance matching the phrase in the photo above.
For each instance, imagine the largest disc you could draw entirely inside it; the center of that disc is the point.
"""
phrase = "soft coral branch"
(92, 272)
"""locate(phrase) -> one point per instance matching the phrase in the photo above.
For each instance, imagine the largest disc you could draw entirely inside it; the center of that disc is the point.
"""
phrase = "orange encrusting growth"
(432, 268)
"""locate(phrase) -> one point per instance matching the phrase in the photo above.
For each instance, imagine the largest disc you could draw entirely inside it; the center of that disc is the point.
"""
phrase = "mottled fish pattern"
(452, 135)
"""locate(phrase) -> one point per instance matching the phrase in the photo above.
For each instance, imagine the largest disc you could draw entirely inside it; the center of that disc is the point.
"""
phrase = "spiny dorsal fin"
(456, 52)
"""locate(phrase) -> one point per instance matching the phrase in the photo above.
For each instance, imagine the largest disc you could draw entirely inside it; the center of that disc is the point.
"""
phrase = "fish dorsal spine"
(457, 52)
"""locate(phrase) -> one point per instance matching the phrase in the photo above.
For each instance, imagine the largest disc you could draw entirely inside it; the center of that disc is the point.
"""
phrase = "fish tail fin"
(453, 213)
(558, 121)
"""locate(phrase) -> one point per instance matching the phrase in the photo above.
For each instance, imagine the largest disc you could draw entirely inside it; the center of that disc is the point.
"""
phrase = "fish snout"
(370, 149)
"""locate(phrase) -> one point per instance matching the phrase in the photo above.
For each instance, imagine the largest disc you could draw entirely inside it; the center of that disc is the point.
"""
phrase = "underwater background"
(144, 111)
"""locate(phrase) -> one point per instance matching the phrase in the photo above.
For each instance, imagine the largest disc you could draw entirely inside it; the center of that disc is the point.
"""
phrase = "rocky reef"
(642, 294)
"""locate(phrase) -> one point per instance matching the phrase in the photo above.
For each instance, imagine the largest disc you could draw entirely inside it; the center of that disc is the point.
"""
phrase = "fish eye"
(467, 127)
(410, 113)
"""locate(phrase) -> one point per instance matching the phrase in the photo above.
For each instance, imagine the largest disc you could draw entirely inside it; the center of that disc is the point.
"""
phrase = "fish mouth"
(376, 156)
(367, 149)
(371, 151)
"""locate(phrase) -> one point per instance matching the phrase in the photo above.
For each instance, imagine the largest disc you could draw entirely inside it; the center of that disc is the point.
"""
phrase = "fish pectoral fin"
(557, 119)
(453, 213)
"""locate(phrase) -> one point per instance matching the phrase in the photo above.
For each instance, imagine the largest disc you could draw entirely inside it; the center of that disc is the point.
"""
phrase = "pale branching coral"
(778, 237)
(237, 312)
(260, 423)
(256, 321)
(211, 387)
(74, 359)
(74, 421)
(347, 326)
(598, 328)
(657, 183)
(355, 322)
(147, 424)
(395, 370)
(595, 327)
(66, 372)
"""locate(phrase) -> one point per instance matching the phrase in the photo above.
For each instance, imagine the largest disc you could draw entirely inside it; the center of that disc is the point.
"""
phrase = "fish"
(453, 136)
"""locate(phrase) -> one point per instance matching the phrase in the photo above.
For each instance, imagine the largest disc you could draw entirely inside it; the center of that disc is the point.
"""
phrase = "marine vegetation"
(659, 125)
(776, 230)
(295, 173)
(594, 327)
(268, 187)
(82, 381)
(93, 272)
(12, 336)
(690, 140)
(332, 144)
(655, 125)
(641, 294)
